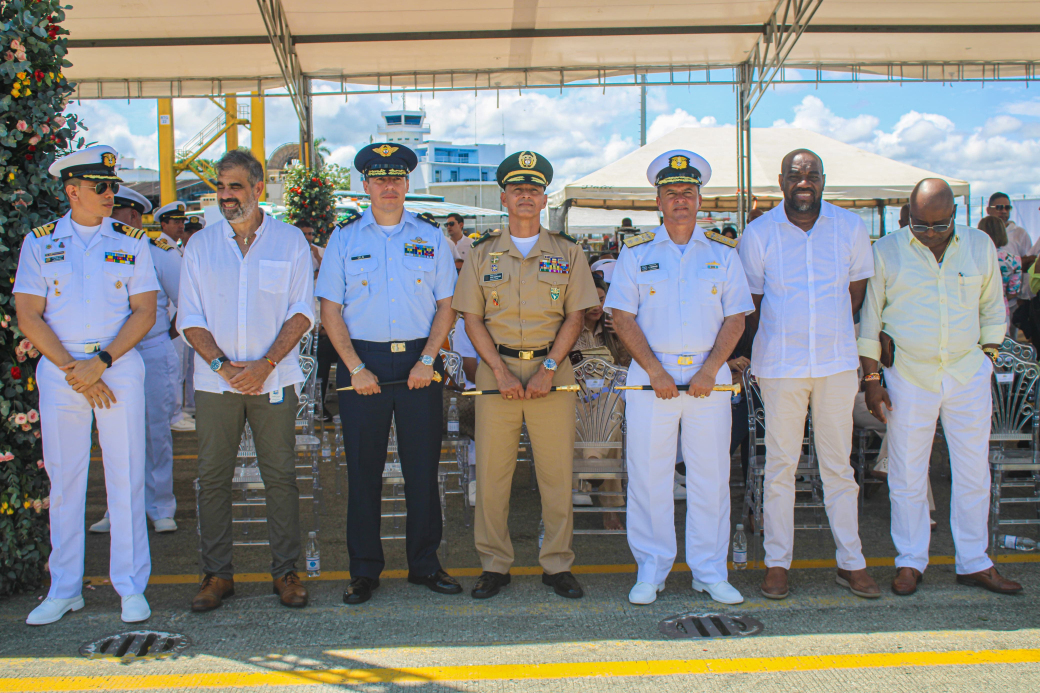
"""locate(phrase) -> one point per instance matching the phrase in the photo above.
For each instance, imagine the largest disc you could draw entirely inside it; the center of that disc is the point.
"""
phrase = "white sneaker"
(645, 593)
(135, 608)
(102, 526)
(722, 592)
(184, 423)
(582, 499)
(165, 524)
(679, 492)
(51, 610)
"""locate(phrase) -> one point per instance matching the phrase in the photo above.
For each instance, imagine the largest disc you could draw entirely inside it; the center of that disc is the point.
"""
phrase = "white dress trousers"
(965, 410)
(653, 426)
(66, 418)
(183, 359)
(786, 401)
(161, 377)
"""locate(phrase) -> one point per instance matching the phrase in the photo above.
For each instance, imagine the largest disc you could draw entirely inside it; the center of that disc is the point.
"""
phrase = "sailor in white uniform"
(85, 291)
(172, 219)
(161, 371)
(679, 297)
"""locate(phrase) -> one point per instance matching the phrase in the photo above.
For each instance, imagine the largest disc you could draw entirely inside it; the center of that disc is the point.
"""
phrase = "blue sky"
(987, 134)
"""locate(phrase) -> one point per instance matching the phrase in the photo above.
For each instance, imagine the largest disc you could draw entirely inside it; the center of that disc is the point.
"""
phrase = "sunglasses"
(103, 187)
(450, 223)
(936, 228)
(1001, 208)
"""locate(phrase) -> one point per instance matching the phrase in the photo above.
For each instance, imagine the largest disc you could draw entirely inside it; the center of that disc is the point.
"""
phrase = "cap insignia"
(108, 160)
(528, 160)
(385, 150)
(678, 162)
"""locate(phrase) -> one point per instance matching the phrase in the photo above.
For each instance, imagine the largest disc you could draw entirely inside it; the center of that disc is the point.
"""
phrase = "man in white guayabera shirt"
(246, 299)
(807, 264)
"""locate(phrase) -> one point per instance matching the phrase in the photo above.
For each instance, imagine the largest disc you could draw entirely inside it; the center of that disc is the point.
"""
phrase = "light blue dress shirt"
(388, 285)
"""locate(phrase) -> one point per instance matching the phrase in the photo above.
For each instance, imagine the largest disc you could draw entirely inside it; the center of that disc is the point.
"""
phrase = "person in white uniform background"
(172, 220)
(85, 291)
(679, 297)
(161, 371)
(807, 263)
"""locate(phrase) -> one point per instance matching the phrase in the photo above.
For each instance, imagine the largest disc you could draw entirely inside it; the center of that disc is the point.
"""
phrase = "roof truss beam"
(785, 26)
(277, 24)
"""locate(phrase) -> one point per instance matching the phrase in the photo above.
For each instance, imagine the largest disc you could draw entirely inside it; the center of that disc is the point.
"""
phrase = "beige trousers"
(550, 425)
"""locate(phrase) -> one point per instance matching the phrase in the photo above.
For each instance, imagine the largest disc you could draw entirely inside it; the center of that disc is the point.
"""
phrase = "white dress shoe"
(51, 610)
(679, 492)
(581, 499)
(135, 608)
(184, 423)
(645, 593)
(102, 526)
(722, 592)
(165, 524)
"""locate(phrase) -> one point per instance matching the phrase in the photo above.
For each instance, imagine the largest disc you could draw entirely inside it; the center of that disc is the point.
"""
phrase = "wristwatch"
(106, 358)
(991, 353)
(549, 364)
(216, 363)
(426, 360)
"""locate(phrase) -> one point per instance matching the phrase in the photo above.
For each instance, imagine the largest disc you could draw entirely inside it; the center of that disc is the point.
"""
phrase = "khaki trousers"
(550, 425)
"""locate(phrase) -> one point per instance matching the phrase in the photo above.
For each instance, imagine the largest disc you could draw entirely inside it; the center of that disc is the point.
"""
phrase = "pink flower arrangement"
(20, 419)
(26, 427)
(47, 503)
(36, 434)
(39, 463)
(16, 45)
(38, 505)
(34, 140)
(6, 457)
(45, 129)
(19, 56)
(8, 55)
(34, 416)
(22, 126)
(59, 121)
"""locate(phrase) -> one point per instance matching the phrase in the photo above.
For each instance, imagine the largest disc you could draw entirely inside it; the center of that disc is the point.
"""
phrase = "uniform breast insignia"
(428, 218)
(120, 258)
(494, 298)
(160, 243)
(719, 238)
(555, 265)
(351, 217)
(712, 266)
(412, 249)
(633, 241)
(554, 293)
(127, 230)
(55, 256)
(650, 268)
(494, 259)
(41, 231)
(360, 257)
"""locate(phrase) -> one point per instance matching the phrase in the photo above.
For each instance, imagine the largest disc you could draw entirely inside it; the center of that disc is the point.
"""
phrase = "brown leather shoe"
(212, 593)
(906, 581)
(858, 582)
(774, 585)
(990, 580)
(291, 590)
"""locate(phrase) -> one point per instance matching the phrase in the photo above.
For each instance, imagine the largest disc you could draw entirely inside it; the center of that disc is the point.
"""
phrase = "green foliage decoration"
(309, 200)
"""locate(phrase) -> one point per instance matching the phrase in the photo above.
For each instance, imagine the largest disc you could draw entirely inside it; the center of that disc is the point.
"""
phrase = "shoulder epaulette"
(561, 234)
(633, 241)
(428, 218)
(487, 235)
(127, 230)
(160, 243)
(351, 217)
(719, 238)
(41, 231)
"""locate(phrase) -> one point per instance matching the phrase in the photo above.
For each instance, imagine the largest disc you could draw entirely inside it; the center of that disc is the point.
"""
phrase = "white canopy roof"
(855, 178)
(150, 48)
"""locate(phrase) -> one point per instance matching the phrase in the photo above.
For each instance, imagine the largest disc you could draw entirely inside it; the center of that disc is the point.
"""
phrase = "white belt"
(82, 347)
(681, 359)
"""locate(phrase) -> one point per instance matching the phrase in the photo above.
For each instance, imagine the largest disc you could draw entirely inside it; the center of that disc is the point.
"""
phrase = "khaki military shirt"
(524, 301)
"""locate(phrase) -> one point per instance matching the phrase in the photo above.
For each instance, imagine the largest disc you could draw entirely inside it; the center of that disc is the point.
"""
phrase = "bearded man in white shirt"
(807, 263)
(246, 299)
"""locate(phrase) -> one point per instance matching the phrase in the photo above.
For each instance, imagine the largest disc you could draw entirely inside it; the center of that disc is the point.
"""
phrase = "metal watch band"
(358, 368)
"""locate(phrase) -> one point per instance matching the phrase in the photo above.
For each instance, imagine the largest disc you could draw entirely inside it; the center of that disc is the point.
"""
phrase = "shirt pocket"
(118, 276)
(58, 276)
(552, 290)
(969, 290)
(274, 276)
(495, 286)
(710, 283)
(359, 272)
(650, 284)
(420, 272)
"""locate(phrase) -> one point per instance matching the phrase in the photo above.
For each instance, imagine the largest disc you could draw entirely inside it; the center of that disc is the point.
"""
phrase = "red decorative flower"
(16, 372)
(38, 75)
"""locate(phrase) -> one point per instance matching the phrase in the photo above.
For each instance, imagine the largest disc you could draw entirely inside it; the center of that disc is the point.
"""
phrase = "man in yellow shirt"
(936, 291)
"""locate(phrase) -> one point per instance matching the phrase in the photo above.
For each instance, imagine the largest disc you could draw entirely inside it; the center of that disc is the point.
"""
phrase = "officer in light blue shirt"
(385, 285)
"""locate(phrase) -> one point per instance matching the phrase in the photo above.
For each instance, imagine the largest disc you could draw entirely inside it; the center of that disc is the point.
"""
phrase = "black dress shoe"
(564, 584)
(439, 582)
(489, 584)
(359, 590)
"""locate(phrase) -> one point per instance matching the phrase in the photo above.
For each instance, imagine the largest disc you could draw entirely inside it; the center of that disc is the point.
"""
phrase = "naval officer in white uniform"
(679, 297)
(85, 291)
(161, 371)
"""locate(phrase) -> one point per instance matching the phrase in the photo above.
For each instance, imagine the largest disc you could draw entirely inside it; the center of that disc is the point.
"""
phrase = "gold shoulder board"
(160, 243)
(719, 238)
(41, 231)
(127, 230)
(633, 241)
(486, 236)
(351, 217)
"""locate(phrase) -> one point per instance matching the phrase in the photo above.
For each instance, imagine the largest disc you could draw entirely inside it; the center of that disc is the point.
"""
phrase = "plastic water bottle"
(739, 549)
(326, 447)
(1010, 541)
(453, 419)
(313, 555)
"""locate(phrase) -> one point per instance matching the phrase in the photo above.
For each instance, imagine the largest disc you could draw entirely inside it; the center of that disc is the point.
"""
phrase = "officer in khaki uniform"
(524, 292)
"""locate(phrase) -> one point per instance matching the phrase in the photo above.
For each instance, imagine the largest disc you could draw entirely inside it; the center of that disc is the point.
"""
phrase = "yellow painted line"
(505, 672)
(537, 570)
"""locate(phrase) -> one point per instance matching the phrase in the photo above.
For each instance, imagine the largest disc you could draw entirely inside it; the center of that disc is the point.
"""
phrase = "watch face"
(214, 365)
(427, 360)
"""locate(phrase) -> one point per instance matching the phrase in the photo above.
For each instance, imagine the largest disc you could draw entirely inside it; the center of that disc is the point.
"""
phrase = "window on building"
(463, 157)
(413, 120)
(483, 175)
(393, 120)
(454, 176)
(437, 176)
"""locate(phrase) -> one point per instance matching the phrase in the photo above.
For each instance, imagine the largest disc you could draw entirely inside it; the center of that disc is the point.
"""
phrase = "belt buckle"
(685, 361)
(526, 355)
(92, 348)
(397, 347)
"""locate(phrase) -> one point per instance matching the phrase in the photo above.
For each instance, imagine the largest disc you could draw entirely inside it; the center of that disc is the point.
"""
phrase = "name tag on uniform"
(276, 396)
(360, 257)
(417, 250)
(493, 277)
(712, 266)
(119, 258)
(555, 265)
(54, 257)
(650, 268)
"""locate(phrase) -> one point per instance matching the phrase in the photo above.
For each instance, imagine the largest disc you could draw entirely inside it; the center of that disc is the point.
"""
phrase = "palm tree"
(320, 149)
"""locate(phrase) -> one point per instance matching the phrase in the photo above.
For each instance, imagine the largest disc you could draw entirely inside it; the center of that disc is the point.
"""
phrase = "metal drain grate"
(709, 625)
(137, 643)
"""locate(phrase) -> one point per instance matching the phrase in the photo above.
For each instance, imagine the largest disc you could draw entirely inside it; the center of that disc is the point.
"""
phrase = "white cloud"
(108, 126)
(663, 124)
(812, 114)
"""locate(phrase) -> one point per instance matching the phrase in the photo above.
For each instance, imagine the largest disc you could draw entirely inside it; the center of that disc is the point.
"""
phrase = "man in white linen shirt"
(246, 299)
(807, 264)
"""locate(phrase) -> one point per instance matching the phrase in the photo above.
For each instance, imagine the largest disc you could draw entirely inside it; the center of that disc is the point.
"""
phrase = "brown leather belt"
(522, 354)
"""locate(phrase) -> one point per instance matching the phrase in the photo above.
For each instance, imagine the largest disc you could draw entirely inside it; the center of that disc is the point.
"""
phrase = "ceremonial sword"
(436, 378)
(735, 388)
